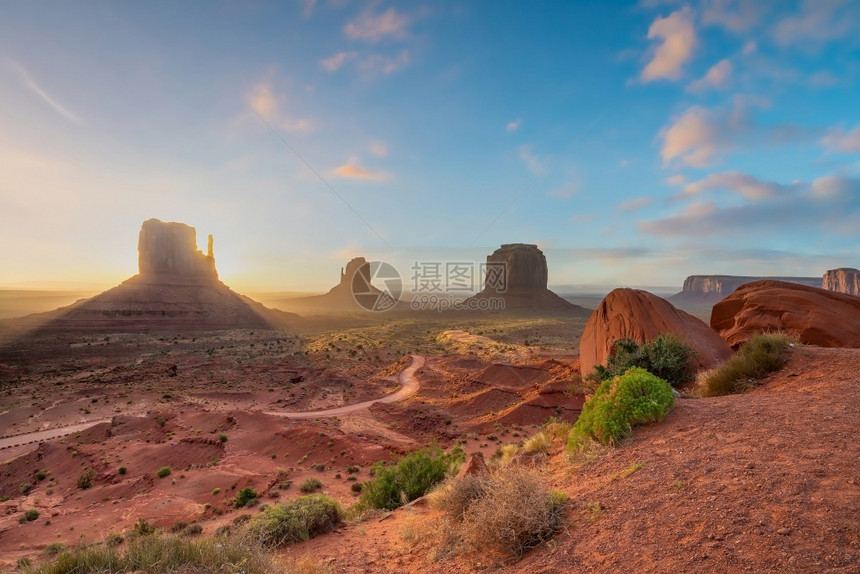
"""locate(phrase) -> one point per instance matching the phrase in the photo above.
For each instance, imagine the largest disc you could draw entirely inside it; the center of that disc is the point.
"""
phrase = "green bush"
(31, 515)
(667, 357)
(296, 521)
(636, 397)
(163, 471)
(85, 479)
(311, 485)
(244, 497)
(761, 355)
(410, 478)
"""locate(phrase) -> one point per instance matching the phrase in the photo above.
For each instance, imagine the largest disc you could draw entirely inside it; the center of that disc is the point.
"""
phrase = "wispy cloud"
(635, 204)
(351, 170)
(375, 64)
(678, 40)
(532, 161)
(717, 78)
(513, 126)
(565, 191)
(743, 184)
(818, 22)
(334, 63)
(263, 100)
(734, 15)
(830, 204)
(375, 27)
(379, 149)
(839, 140)
(308, 7)
(31, 84)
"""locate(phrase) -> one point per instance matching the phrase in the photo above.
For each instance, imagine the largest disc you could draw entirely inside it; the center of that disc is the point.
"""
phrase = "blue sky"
(636, 143)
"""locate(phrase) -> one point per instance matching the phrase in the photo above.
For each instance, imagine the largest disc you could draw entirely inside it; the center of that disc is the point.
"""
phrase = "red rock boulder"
(642, 316)
(817, 316)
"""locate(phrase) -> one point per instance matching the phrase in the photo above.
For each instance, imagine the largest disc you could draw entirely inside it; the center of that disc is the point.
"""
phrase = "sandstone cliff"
(708, 289)
(168, 251)
(842, 280)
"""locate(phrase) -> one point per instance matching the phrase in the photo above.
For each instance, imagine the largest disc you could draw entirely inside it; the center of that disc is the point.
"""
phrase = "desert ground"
(767, 481)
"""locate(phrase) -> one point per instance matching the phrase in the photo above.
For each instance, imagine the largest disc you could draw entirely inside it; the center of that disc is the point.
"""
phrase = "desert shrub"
(54, 548)
(122, 470)
(178, 526)
(114, 539)
(411, 478)
(244, 497)
(505, 512)
(30, 515)
(162, 554)
(295, 521)
(763, 354)
(25, 487)
(193, 530)
(163, 472)
(311, 485)
(85, 479)
(142, 528)
(222, 438)
(538, 442)
(636, 397)
(667, 357)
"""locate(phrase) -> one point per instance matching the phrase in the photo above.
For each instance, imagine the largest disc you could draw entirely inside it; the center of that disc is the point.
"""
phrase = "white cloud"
(565, 191)
(678, 36)
(718, 77)
(734, 15)
(513, 126)
(375, 64)
(838, 140)
(31, 84)
(334, 63)
(742, 184)
(375, 27)
(263, 100)
(635, 204)
(351, 170)
(533, 162)
(694, 139)
(676, 180)
(817, 23)
(379, 149)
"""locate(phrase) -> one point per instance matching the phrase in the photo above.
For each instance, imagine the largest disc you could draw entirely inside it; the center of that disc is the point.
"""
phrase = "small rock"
(750, 465)
(784, 531)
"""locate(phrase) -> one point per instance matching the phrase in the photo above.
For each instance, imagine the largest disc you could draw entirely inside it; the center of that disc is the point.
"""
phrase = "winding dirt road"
(408, 387)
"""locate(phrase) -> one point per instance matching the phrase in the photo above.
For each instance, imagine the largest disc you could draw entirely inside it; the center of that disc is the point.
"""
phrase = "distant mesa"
(340, 297)
(517, 273)
(816, 316)
(177, 288)
(708, 289)
(343, 290)
(642, 316)
(843, 280)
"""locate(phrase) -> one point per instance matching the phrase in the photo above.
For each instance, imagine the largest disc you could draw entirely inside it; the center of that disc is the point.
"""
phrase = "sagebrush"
(295, 521)
(760, 356)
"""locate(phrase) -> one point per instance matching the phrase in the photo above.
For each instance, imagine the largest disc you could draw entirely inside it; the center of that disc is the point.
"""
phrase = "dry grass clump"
(505, 512)
(163, 554)
(760, 356)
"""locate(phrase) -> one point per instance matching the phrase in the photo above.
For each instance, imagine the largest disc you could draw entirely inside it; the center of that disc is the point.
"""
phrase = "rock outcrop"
(642, 316)
(816, 316)
(517, 274)
(843, 280)
(708, 289)
(168, 251)
(177, 289)
(343, 290)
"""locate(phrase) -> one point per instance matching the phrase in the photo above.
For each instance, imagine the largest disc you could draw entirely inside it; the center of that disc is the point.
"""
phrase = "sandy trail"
(48, 434)
(409, 386)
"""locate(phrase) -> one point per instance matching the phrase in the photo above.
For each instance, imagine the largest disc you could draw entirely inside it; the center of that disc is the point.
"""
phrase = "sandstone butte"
(842, 280)
(524, 282)
(642, 316)
(816, 316)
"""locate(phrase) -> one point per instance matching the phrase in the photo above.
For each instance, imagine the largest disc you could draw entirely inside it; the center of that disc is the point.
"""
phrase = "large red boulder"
(817, 316)
(642, 316)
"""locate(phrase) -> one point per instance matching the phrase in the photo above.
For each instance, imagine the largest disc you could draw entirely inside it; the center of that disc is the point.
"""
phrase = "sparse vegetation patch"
(667, 357)
(762, 355)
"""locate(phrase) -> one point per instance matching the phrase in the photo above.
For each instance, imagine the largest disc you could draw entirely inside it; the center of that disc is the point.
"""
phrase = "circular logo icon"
(376, 286)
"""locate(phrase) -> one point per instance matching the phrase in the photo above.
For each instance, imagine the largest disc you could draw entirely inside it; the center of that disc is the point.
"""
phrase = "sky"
(635, 142)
